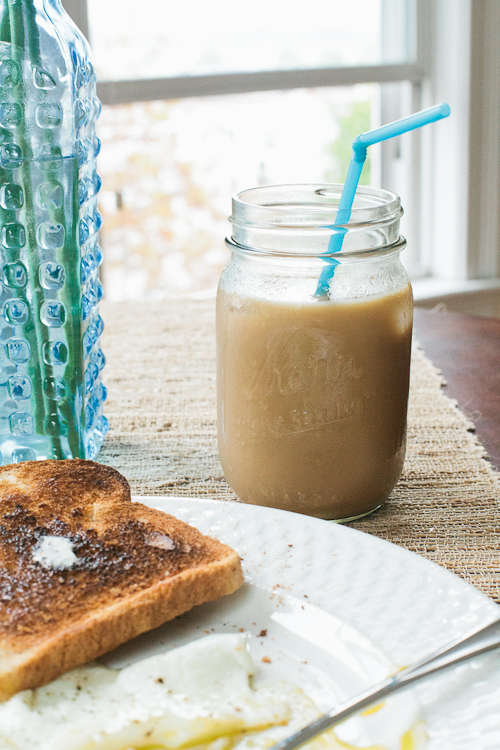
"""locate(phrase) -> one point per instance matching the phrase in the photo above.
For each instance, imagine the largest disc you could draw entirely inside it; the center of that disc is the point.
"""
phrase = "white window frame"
(454, 171)
(461, 164)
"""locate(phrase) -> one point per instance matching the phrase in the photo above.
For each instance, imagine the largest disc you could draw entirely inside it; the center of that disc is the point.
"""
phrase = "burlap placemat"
(160, 375)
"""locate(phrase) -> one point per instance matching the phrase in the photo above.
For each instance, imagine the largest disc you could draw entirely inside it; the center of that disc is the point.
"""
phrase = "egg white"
(196, 696)
(187, 697)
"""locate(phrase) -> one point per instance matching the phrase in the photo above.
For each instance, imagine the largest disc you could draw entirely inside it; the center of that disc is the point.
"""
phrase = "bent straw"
(359, 150)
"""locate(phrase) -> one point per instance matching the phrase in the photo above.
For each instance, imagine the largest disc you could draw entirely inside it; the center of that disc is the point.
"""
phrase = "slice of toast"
(116, 569)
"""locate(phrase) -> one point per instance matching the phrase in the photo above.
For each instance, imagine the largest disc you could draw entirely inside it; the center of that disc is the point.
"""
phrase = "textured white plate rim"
(404, 604)
(335, 528)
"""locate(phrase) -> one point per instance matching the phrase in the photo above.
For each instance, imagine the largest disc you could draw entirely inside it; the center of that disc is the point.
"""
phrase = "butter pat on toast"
(84, 569)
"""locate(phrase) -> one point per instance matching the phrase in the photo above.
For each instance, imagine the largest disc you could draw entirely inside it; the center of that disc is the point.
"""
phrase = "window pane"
(169, 170)
(155, 38)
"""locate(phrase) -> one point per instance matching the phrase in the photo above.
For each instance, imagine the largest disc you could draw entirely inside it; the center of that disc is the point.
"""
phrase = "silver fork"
(464, 648)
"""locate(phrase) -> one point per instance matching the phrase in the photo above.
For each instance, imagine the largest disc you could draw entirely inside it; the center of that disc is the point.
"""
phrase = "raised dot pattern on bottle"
(88, 110)
(51, 361)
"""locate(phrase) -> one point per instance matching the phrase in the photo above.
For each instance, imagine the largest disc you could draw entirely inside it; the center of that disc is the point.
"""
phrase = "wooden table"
(467, 351)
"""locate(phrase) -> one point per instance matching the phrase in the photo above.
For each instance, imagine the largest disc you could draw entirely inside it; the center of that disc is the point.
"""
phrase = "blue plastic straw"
(359, 150)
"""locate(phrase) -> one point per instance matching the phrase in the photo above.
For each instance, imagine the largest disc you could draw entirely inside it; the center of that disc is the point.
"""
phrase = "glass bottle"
(313, 387)
(51, 394)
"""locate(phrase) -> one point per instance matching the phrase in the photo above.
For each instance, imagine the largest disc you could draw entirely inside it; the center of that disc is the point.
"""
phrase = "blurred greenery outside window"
(169, 169)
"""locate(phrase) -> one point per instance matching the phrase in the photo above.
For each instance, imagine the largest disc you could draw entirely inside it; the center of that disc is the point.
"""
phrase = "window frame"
(460, 164)
(453, 182)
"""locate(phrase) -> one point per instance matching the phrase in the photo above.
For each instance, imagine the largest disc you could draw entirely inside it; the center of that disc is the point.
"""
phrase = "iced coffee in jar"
(312, 381)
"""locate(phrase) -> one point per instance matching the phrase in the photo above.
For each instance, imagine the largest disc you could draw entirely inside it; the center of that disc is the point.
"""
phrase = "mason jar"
(314, 324)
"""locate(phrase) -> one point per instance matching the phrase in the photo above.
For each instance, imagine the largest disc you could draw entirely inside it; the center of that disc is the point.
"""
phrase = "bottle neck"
(45, 5)
(39, 5)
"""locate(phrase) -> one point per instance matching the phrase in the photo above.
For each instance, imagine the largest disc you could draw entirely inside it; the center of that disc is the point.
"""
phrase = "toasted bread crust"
(137, 568)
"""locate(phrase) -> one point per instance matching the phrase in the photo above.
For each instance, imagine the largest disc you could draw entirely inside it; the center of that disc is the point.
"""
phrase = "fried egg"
(196, 696)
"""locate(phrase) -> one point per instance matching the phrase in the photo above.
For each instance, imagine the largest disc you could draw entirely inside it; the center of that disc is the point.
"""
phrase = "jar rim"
(310, 205)
(367, 254)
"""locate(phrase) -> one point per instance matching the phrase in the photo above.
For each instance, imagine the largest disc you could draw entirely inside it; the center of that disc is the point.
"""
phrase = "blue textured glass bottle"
(51, 394)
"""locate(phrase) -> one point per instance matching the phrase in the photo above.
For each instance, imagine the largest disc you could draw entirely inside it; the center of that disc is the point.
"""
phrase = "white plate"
(340, 608)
